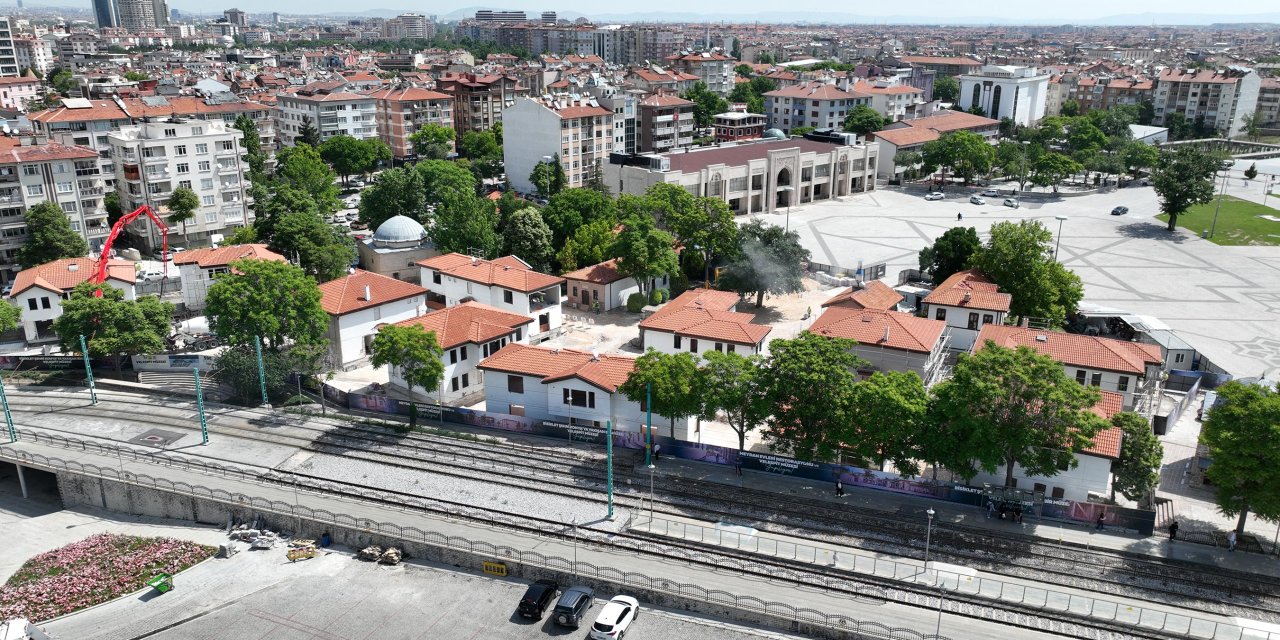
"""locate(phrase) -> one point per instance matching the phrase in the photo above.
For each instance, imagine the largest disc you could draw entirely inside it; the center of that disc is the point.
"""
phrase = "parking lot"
(1225, 301)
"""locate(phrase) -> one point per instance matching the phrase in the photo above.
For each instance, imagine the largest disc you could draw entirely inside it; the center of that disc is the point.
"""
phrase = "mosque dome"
(398, 229)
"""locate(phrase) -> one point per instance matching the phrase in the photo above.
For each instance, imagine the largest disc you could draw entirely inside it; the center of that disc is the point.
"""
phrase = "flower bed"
(91, 571)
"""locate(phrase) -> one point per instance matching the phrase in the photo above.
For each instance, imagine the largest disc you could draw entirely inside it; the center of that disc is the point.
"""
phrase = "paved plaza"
(1225, 301)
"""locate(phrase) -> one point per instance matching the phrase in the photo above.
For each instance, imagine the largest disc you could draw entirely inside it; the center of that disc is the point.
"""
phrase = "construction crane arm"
(101, 275)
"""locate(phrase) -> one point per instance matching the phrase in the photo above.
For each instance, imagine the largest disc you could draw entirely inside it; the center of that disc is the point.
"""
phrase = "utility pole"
(262, 374)
(648, 433)
(1214, 225)
(204, 426)
(88, 370)
(8, 417)
(608, 444)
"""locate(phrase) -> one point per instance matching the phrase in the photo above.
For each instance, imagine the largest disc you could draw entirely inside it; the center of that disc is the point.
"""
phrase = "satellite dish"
(6, 129)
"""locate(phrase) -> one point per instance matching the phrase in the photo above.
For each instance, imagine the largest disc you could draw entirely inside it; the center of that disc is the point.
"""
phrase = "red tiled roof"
(1073, 349)
(969, 289)
(740, 154)
(872, 295)
(705, 313)
(408, 94)
(469, 322)
(1107, 442)
(941, 60)
(951, 121)
(11, 150)
(607, 372)
(507, 272)
(888, 329)
(1199, 76)
(223, 256)
(603, 273)
(99, 110)
(63, 275)
(346, 294)
(664, 100)
(815, 91)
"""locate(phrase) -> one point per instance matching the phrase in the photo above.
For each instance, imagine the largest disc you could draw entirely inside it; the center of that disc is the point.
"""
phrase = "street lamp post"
(547, 181)
(1022, 179)
(928, 534)
(789, 190)
(575, 547)
(651, 468)
(1058, 245)
(1213, 227)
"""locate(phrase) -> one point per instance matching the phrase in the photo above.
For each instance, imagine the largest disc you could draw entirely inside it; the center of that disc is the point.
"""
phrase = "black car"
(1119, 211)
(537, 598)
(573, 606)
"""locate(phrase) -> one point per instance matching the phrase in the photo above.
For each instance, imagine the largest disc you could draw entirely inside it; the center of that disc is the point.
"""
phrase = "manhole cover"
(157, 438)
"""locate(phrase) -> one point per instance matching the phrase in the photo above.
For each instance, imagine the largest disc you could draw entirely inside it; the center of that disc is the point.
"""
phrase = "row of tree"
(1003, 408)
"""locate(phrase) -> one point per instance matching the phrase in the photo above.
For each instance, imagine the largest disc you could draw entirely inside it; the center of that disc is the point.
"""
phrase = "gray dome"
(775, 134)
(399, 229)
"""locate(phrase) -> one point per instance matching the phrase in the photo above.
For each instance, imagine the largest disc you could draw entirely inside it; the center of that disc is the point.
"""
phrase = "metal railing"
(954, 582)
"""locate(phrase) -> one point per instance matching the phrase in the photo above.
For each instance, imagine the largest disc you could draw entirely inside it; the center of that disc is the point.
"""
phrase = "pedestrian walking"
(1102, 520)
(737, 466)
(1173, 530)
(1017, 515)
(1231, 541)
(657, 451)
(991, 508)
(839, 488)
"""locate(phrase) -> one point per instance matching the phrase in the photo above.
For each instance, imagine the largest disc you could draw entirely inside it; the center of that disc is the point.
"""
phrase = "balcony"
(92, 191)
(222, 153)
(8, 177)
(11, 199)
(233, 214)
(155, 159)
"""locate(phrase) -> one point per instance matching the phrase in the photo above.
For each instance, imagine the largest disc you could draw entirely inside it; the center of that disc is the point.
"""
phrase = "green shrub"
(659, 296)
(635, 302)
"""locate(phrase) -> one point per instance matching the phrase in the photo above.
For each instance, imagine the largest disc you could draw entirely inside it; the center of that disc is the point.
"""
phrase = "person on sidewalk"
(1231, 541)
(657, 451)
(1102, 517)
(1173, 531)
(839, 488)
(835, 557)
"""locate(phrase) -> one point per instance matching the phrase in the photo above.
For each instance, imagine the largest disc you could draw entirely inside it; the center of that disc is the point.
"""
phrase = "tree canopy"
(706, 103)
(10, 316)
(395, 192)
(432, 141)
(548, 177)
(349, 156)
(966, 153)
(592, 243)
(265, 298)
(1136, 473)
(946, 89)
(302, 167)
(413, 351)
(1182, 178)
(769, 260)
(49, 237)
(1242, 432)
(571, 209)
(323, 251)
(112, 326)
(733, 385)
(809, 382)
(484, 152)
(949, 254)
(704, 226)
(182, 205)
(672, 381)
(644, 251)
(466, 223)
(864, 120)
(1019, 258)
(886, 412)
(527, 237)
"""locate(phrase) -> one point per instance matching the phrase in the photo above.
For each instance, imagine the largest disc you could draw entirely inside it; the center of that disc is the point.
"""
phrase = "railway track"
(564, 473)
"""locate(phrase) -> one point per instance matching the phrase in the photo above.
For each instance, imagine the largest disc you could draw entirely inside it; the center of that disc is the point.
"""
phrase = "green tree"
(1019, 258)
(966, 153)
(241, 235)
(302, 168)
(769, 260)
(265, 298)
(136, 76)
(1016, 407)
(1052, 168)
(323, 251)
(182, 208)
(592, 243)
(1251, 172)
(1242, 432)
(466, 223)
(706, 104)
(671, 382)
(482, 148)
(395, 192)
(1084, 136)
(63, 82)
(548, 177)
(1136, 473)
(733, 385)
(949, 253)
(307, 133)
(743, 70)
(644, 251)
(349, 156)
(946, 89)
(432, 141)
(527, 237)
(799, 132)
(276, 202)
(10, 315)
(571, 209)
(1137, 156)
(112, 326)
(864, 120)
(888, 411)
(1250, 127)
(809, 381)
(910, 160)
(111, 203)
(442, 180)
(1070, 108)
(237, 367)
(251, 142)
(1183, 178)
(49, 237)
(1146, 112)
(703, 225)
(414, 352)
(1014, 159)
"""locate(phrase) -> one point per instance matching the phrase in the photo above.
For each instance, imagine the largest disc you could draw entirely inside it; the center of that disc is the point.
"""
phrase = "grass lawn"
(97, 569)
(1239, 223)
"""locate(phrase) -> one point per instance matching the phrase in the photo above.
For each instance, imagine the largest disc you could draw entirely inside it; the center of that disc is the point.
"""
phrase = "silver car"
(977, 200)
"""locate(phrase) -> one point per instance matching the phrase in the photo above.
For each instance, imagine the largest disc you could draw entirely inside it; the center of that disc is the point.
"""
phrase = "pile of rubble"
(374, 553)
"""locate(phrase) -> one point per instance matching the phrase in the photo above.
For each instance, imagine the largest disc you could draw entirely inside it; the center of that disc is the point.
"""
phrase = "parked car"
(935, 195)
(977, 200)
(991, 192)
(1119, 211)
(614, 618)
(339, 218)
(536, 599)
(573, 605)
(8, 288)
(150, 276)
(1011, 203)
(356, 225)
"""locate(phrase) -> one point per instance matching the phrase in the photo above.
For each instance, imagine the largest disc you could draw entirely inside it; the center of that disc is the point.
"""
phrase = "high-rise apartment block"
(8, 58)
(329, 107)
(578, 130)
(403, 110)
(1216, 99)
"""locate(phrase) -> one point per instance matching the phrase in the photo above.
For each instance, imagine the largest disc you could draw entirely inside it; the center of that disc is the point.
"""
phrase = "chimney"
(968, 296)
(886, 334)
(73, 267)
(368, 295)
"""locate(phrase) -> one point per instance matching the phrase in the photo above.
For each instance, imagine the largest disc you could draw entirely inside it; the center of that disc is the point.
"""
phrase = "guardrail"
(837, 624)
(952, 581)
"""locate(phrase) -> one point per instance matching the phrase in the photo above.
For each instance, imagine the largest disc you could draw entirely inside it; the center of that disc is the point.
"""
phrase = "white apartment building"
(154, 158)
(8, 57)
(715, 69)
(1002, 91)
(814, 104)
(34, 173)
(576, 128)
(507, 284)
(410, 25)
(893, 100)
(1221, 98)
(332, 110)
(33, 53)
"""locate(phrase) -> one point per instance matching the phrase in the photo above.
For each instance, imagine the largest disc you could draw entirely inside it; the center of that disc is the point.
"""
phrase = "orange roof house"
(706, 315)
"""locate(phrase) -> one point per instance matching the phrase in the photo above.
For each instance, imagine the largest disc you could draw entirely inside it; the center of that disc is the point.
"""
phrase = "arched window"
(995, 104)
(977, 95)
(784, 177)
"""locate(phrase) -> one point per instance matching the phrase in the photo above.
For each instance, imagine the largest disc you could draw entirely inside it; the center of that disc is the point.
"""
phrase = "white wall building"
(602, 284)
(198, 268)
(507, 284)
(39, 291)
(33, 53)
(578, 130)
(967, 301)
(154, 158)
(1003, 91)
(814, 104)
(1218, 99)
(358, 303)
(8, 57)
(888, 340)
(468, 333)
(330, 108)
(702, 320)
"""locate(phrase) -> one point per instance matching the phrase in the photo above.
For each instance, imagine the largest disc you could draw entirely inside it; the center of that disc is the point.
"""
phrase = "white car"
(933, 196)
(991, 192)
(977, 200)
(1011, 203)
(614, 618)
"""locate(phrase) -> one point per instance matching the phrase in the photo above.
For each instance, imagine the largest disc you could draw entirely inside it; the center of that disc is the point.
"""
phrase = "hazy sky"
(1052, 12)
